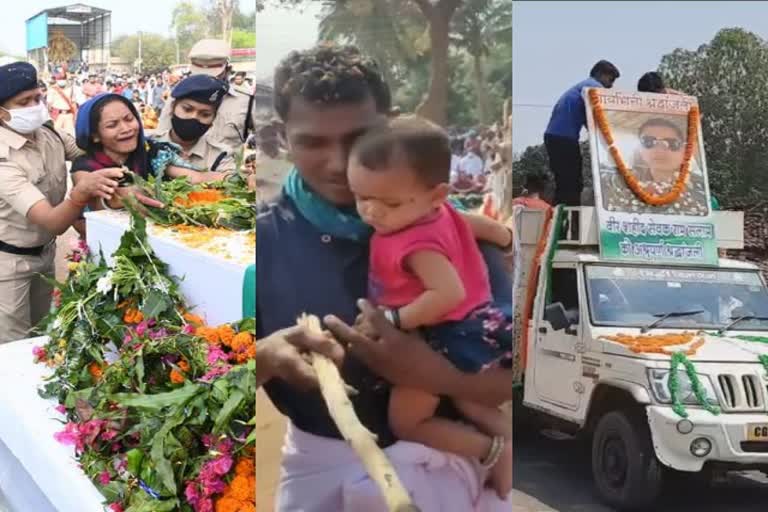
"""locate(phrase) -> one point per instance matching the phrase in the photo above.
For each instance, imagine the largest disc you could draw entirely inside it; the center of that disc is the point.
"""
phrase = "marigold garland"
(657, 343)
(634, 185)
(201, 197)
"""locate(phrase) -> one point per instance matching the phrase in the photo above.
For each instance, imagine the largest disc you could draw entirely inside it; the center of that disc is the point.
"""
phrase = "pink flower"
(158, 334)
(206, 505)
(115, 507)
(215, 372)
(70, 436)
(76, 257)
(215, 354)
(127, 338)
(141, 329)
(221, 465)
(188, 329)
(39, 353)
(191, 493)
(109, 435)
(208, 440)
(104, 478)
(61, 409)
(225, 446)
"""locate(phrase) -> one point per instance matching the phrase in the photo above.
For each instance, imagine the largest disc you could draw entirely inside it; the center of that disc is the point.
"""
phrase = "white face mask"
(28, 119)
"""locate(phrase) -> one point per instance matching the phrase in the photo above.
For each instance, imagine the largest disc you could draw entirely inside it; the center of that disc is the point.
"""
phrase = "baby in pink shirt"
(427, 270)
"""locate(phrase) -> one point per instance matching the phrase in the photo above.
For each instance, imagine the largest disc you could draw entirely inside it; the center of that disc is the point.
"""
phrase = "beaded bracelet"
(494, 453)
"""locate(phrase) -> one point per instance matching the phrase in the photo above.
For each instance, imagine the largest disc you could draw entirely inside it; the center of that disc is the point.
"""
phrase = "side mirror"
(556, 316)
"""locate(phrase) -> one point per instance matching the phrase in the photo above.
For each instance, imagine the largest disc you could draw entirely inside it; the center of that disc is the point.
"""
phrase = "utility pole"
(178, 57)
(139, 51)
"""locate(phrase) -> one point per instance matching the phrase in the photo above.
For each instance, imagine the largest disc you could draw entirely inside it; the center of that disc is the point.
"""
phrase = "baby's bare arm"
(443, 289)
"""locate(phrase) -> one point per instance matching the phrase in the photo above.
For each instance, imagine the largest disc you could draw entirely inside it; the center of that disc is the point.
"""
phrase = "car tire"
(626, 472)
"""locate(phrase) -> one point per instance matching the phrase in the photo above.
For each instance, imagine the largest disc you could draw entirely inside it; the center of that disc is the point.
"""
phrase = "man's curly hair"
(329, 74)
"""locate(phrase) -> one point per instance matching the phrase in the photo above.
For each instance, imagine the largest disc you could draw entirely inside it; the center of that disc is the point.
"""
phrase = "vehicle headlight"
(659, 381)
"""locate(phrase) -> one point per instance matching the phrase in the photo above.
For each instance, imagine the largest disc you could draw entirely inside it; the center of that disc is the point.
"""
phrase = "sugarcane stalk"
(362, 440)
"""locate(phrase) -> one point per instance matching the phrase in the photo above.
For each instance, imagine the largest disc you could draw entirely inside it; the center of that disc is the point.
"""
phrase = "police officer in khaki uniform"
(34, 208)
(195, 106)
(211, 57)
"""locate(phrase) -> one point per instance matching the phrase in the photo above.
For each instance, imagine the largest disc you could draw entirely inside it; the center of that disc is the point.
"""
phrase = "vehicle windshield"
(637, 297)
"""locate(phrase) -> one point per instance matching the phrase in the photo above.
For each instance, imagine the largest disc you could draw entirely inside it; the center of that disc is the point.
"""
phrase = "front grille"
(741, 392)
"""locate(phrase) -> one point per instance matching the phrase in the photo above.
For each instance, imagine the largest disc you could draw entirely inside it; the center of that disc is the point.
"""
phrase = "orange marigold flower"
(226, 334)
(245, 467)
(184, 365)
(228, 504)
(240, 489)
(194, 319)
(133, 316)
(242, 341)
(201, 197)
(95, 370)
(210, 334)
(177, 377)
(249, 353)
(247, 507)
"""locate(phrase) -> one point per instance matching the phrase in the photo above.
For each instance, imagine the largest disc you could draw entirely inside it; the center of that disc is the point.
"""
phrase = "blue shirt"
(128, 93)
(301, 269)
(569, 114)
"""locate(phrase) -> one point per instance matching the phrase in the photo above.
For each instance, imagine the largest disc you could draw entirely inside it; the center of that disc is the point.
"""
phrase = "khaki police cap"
(209, 57)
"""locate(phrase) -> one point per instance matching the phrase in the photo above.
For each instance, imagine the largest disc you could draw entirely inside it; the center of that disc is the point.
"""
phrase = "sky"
(555, 45)
(128, 17)
(279, 31)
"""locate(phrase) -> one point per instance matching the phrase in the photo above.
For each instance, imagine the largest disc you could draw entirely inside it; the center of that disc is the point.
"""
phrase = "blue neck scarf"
(324, 215)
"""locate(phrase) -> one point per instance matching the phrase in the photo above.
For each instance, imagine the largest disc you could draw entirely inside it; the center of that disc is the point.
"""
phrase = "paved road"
(554, 476)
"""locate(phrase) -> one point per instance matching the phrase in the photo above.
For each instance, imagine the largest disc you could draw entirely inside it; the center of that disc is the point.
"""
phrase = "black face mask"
(188, 129)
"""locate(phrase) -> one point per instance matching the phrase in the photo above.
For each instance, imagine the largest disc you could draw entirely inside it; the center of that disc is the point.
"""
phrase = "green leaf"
(157, 454)
(140, 371)
(247, 325)
(227, 410)
(177, 397)
(114, 491)
(134, 459)
(155, 304)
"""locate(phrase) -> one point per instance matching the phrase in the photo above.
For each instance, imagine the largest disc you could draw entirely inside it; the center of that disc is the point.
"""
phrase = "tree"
(157, 52)
(389, 31)
(244, 21)
(226, 10)
(190, 25)
(243, 39)
(479, 26)
(729, 76)
(534, 161)
(438, 14)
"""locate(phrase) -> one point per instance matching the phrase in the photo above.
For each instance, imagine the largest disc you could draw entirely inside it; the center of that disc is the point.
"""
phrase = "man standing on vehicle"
(561, 137)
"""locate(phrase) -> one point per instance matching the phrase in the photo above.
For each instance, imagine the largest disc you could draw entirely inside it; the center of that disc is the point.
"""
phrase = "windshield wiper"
(671, 314)
(736, 320)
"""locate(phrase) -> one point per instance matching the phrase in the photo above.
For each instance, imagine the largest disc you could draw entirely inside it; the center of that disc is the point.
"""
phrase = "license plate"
(757, 432)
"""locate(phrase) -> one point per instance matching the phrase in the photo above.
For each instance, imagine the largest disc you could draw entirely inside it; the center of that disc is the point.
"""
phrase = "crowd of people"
(204, 121)
(476, 155)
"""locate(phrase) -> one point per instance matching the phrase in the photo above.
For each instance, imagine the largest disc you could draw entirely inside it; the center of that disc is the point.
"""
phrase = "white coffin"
(37, 473)
(210, 276)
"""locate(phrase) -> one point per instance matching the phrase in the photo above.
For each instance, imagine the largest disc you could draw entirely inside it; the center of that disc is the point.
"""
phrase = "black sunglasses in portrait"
(671, 144)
